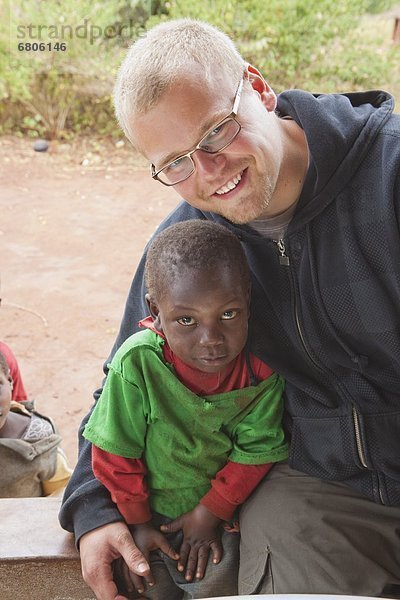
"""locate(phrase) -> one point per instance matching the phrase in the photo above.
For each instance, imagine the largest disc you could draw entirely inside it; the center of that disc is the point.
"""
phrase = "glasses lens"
(220, 137)
(176, 171)
(216, 140)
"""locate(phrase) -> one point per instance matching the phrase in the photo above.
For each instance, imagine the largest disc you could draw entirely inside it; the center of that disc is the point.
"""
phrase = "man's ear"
(154, 311)
(262, 87)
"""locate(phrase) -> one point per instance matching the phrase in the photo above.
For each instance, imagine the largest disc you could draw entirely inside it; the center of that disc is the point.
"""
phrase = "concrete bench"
(38, 559)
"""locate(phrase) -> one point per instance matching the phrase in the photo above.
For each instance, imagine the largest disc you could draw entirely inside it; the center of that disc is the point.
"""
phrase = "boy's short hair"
(194, 245)
(4, 365)
(160, 57)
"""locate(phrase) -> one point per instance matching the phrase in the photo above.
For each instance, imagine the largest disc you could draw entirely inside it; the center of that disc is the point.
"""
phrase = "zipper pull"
(283, 259)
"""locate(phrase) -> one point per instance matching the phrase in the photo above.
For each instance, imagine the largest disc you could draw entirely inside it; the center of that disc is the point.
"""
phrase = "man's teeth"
(230, 185)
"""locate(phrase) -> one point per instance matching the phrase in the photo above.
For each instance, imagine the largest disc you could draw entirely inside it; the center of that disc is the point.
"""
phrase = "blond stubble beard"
(252, 211)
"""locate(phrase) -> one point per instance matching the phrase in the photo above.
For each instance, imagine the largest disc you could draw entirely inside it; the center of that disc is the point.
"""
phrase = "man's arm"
(87, 509)
(86, 503)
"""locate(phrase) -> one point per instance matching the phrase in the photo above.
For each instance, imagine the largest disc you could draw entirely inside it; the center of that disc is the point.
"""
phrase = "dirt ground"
(73, 224)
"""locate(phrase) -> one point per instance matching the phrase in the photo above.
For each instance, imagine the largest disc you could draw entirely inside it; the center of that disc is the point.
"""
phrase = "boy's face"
(204, 317)
(5, 396)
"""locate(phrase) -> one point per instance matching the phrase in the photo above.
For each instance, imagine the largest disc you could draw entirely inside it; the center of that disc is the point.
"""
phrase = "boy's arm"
(87, 504)
(259, 430)
(231, 486)
(201, 526)
(256, 440)
(125, 478)
(259, 437)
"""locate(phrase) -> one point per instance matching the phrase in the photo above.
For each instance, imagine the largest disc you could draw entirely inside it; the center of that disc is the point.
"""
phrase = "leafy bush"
(60, 66)
(289, 41)
(318, 45)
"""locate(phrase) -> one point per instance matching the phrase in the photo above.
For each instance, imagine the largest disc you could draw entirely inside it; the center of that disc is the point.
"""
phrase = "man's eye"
(229, 314)
(176, 164)
(214, 134)
(186, 321)
(216, 130)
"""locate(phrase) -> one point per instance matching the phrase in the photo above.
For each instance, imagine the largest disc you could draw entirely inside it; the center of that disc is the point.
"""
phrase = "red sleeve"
(231, 487)
(260, 369)
(125, 479)
(18, 391)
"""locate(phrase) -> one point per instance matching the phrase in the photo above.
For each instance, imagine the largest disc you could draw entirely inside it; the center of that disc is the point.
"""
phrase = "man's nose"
(208, 164)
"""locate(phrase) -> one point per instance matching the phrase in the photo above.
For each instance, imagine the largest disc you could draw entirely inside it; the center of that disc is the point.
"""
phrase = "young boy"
(188, 422)
(32, 463)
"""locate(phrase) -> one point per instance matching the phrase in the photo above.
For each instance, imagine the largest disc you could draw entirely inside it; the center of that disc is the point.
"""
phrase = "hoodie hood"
(340, 128)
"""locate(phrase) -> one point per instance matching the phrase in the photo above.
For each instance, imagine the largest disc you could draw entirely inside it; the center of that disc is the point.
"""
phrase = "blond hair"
(160, 57)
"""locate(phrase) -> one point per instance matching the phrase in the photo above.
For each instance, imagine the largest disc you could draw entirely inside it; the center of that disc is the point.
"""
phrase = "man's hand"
(100, 548)
(201, 533)
(147, 538)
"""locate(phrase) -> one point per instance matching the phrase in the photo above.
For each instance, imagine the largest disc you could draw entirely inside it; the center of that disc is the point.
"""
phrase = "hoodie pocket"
(324, 447)
(383, 442)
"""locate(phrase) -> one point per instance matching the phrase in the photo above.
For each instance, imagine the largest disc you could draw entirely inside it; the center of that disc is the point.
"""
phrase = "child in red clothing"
(18, 390)
(153, 445)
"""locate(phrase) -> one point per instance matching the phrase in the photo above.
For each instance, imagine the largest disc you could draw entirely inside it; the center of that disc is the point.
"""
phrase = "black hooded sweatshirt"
(325, 309)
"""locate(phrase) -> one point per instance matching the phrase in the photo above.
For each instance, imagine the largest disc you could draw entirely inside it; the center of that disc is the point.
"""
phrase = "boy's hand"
(147, 538)
(201, 533)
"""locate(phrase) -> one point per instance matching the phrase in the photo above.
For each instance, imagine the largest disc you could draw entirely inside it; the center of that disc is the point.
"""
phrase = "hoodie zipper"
(357, 429)
(360, 449)
(284, 260)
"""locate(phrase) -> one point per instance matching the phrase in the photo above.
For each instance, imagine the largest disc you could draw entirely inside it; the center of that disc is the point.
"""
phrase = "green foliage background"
(317, 45)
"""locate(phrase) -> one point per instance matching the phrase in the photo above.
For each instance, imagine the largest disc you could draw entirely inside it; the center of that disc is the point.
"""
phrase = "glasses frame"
(232, 116)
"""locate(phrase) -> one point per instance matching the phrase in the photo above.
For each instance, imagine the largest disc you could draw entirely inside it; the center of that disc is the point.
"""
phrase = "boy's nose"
(211, 336)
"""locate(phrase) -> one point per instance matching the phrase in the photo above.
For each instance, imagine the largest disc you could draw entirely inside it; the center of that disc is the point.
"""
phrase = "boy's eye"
(229, 314)
(186, 321)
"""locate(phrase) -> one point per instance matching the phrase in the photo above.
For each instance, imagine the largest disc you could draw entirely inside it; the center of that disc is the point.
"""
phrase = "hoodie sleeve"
(87, 503)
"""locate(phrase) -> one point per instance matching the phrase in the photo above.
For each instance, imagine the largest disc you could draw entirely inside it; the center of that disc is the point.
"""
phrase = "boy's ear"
(154, 311)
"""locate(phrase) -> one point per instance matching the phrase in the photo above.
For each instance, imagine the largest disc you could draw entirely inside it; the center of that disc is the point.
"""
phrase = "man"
(311, 186)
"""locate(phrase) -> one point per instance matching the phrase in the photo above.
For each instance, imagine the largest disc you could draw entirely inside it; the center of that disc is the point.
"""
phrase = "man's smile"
(230, 185)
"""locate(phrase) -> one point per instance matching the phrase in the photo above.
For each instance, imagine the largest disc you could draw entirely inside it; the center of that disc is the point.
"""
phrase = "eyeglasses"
(215, 140)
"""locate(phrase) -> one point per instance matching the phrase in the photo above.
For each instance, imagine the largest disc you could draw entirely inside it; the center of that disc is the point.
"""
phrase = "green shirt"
(145, 412)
